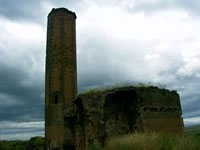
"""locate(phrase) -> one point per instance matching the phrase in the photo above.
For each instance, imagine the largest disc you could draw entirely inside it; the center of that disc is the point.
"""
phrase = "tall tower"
(60, 77)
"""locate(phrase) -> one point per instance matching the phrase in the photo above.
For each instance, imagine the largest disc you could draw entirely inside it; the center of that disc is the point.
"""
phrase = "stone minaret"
(61, 78)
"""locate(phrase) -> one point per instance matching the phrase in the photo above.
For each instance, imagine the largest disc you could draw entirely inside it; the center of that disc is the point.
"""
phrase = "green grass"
(152, 141)
(96, 91)
(192, 131)
(138, 141)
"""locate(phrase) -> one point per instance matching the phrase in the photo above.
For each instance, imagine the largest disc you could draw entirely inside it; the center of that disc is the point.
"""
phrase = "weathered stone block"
(126, 110)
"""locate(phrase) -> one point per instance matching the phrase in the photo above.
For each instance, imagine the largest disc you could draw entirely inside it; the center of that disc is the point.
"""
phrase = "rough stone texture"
(61, 77)
(73, 122)
(126, 110)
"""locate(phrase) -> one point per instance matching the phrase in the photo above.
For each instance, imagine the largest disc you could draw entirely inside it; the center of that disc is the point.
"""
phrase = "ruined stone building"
(75, 122)
(61, 75)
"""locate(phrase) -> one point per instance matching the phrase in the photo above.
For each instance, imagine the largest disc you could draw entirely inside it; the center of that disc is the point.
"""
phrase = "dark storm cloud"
(190, 97)
(190, 105)
(20, 102)
(188, 89)
(21, 9)
(36, 10)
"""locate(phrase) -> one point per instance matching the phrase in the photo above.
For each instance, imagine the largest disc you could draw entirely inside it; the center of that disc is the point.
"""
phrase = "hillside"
(193, 131)
(37, 143)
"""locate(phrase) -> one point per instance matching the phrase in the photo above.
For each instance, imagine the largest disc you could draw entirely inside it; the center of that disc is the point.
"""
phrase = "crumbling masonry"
(75, 122)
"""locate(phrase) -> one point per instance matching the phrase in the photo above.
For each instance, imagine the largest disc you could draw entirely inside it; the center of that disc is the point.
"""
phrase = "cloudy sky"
(118, 42)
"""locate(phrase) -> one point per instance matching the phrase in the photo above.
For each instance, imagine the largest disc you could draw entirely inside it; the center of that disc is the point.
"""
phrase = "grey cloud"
(23, 10)
(20, 130)
(99, 64)
(190, 121)
(190, 97)
(191, 6)
(27, 102)
(37, 10)
(96, 69)
(188, 89)
(190, 105)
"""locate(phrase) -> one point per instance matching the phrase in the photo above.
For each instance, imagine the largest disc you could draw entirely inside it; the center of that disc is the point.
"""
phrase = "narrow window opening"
(161, 109)
(56, 99)
(116, 117)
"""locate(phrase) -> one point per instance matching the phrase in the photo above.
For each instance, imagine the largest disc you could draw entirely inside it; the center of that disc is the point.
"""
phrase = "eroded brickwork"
(61, 76)
(126, 110)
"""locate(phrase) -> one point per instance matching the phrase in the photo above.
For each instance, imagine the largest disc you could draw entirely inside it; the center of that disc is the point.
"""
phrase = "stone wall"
(102, 115)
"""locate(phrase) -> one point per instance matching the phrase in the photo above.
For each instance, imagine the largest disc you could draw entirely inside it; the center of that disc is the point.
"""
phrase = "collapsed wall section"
(161, 110)
(126, 110)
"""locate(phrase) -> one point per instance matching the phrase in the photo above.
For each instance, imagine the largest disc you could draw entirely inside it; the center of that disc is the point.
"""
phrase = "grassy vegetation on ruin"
(96, 91)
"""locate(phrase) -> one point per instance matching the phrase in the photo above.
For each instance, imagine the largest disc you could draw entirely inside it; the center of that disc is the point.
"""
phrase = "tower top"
(62, 9)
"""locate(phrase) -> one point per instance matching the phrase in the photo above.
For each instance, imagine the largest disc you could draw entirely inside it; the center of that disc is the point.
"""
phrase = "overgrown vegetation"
(152, 141)
(138, 141)
(96, 91)
(35, 143)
